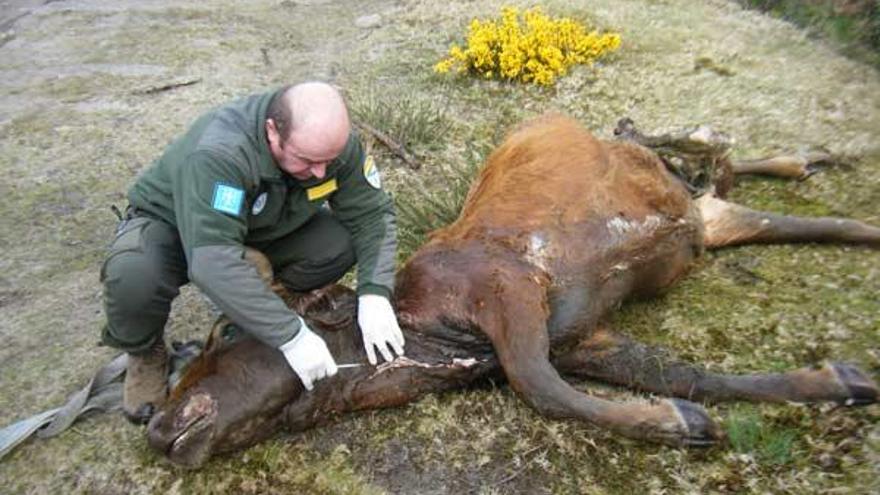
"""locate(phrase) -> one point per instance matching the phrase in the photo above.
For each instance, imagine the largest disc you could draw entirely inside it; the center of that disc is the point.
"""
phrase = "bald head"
(311, 107)
(318, 106)
(307, 123)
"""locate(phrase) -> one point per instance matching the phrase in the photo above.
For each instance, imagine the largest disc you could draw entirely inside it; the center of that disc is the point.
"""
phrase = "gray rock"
(368, 21)
(295, 3)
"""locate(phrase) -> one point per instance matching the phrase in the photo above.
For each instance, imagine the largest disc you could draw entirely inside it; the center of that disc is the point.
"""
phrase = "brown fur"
(552, 172)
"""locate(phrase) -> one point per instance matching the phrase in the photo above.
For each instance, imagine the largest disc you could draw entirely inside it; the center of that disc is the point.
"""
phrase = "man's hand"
(379, 327)
(309, 357)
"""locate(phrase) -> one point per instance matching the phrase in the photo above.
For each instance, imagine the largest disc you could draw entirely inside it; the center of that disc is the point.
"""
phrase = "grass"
(749, 434)
(67, 152)
(418, 124)
(854, 26)
(424, 206)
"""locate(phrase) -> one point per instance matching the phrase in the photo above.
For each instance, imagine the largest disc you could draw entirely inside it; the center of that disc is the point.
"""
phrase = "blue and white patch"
(371, 173)
(260, 203)
(227, 199)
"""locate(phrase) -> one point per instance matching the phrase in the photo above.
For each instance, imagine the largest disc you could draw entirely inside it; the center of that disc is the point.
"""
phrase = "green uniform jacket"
(220, 187)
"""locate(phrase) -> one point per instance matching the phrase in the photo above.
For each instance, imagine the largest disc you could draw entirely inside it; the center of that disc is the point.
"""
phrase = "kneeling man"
(281, 172)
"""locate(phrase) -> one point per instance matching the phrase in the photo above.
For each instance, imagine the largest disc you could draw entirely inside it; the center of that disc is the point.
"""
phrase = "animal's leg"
(614, 358)
(729, 224)
(787, 166)
(515, 321)
(331, 305)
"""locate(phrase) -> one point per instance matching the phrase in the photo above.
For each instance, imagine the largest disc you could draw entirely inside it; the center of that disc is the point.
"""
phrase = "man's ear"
(272, 134)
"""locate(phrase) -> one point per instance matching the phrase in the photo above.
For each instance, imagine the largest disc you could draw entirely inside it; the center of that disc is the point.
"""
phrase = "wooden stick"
(167, 87)
(391, 144)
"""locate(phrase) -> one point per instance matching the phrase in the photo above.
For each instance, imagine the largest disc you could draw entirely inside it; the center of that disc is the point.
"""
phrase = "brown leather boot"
(146, 383)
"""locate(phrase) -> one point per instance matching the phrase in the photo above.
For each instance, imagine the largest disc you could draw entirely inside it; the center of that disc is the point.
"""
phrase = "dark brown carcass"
(557, 230)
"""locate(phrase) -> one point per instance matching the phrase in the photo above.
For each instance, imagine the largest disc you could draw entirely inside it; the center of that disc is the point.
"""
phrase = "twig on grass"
(391, 144)
(266, 60)
(167, 87)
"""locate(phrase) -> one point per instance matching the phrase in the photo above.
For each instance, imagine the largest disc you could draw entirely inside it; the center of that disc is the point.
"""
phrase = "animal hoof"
(808, 171)
(701, 430)
(862, 390)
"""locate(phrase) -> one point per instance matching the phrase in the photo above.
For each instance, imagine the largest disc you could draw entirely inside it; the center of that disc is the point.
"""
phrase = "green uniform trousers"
(145, 268)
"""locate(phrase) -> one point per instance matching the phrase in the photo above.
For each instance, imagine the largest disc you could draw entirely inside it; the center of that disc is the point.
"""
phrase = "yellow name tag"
(321, 190)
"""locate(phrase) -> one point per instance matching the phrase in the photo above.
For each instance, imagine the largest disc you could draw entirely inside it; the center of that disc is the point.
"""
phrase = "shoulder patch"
(371, 173)
(260, 203)
(227, 199)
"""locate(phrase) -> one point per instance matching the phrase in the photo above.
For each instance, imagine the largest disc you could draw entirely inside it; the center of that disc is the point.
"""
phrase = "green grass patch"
(750, 434)
(427, 204)
(854, 25)
(780, 196)
(409, 118)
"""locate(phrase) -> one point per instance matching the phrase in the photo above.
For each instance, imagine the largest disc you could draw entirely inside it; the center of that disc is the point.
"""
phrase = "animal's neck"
(425, 368)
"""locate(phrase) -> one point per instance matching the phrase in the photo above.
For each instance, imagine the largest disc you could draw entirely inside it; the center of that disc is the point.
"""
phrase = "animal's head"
(235, 394)
(697, 156)
(230, 397)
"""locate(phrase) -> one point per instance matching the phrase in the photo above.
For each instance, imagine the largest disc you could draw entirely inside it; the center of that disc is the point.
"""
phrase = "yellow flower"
(528, 46)
(443, 66)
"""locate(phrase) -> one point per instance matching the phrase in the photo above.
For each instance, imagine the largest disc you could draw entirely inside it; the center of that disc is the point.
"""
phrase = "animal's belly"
(595, 270)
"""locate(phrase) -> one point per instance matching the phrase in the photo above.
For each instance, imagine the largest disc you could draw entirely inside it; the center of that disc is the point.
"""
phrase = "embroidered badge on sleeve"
(227, 199)
(371, 173)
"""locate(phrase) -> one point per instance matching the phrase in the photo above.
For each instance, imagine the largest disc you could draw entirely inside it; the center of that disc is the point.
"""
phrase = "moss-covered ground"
(76, 127)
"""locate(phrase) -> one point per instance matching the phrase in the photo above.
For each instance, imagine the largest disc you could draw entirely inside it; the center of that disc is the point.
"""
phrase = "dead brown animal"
(557, 230)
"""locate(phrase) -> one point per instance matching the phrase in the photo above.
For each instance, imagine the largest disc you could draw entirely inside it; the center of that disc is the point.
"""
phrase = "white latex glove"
(379, 327)
(309, 357)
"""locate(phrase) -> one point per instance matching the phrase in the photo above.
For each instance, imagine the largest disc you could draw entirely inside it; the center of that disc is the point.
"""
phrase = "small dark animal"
(556, 231)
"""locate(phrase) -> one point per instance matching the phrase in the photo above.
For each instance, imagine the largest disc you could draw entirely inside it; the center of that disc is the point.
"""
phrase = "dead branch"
(167, 87)
(266, 60)
(391, 144)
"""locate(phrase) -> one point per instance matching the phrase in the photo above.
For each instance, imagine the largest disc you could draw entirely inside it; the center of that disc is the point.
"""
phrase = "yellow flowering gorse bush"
(531, 48)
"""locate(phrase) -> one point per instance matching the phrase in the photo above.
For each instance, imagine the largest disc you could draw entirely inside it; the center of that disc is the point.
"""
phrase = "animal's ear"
(223, 333)
(332, 307)
(213, 335)
(206, 363)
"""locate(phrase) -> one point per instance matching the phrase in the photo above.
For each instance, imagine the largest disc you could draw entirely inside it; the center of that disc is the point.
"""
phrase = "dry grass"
(73, 134)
